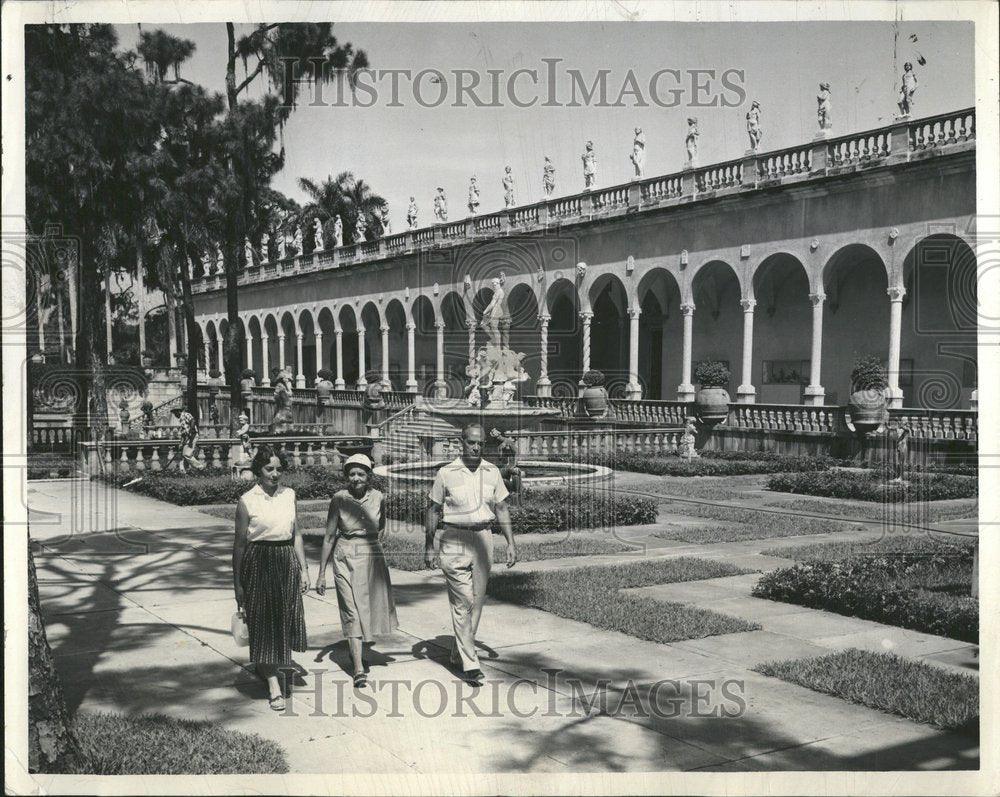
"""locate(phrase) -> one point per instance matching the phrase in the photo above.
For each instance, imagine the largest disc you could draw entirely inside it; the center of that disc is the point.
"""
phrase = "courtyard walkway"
(137, 602)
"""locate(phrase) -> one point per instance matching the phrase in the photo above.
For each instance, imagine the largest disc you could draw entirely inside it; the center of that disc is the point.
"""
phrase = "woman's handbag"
(241, 634)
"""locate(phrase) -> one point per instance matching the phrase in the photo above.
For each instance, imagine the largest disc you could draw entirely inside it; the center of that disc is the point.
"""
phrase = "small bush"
(926, 592)
(869, 486)
(869, 374)
(711, 374)
(593, 378)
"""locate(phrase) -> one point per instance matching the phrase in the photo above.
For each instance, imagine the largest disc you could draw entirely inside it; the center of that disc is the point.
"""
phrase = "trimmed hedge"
(870, 486)
(926, 592)
(710, 463)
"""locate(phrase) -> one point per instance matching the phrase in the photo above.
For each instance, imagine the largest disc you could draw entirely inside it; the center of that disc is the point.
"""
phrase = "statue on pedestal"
(297, 240)
(440, 207)
(473, 196)
(753, 125)
(411, 214)
(507, 453)
(248, 252)
(589, 159)
(548, 177)
(638, 156)
(496, 318)
(907, 90)
(282, 245)
(265, 251)
(317, 235)
(691, 142)
(338, 232)
(508, 188)
(386, 224)
(360, 228)
(688, 450)
(823, 110)
(901, 451)
(282, 402)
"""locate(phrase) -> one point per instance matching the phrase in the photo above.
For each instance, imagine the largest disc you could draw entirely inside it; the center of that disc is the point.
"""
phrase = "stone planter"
(246, 387)
(867, 409)
(594, 402)
(324, 390)
(712, 405)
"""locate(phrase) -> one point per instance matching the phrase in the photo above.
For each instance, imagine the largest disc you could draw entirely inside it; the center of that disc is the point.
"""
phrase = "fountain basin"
(535, 473)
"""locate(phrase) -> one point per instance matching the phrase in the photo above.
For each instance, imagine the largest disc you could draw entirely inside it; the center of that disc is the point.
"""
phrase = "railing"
(872, 147)
(580, 444)
(139, 456)
(938, 424)
(653, 413)
(567, 406)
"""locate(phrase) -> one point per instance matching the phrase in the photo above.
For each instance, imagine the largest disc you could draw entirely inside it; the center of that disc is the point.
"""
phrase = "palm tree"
(344, 196)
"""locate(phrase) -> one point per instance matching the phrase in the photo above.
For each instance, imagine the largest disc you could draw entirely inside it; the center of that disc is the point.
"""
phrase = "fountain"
(489, 400)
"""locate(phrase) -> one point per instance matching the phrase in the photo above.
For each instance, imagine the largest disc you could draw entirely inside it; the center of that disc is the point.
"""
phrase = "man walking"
(471, 494)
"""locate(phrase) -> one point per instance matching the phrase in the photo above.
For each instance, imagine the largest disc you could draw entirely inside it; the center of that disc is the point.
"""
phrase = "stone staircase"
(403, 432)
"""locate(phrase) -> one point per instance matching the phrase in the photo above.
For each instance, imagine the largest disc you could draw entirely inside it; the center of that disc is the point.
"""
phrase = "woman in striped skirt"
(269, 570)
(355, 527)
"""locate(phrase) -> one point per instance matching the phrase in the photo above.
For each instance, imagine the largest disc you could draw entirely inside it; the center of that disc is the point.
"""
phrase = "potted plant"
(595, 397)
(148, 355)
(214, 381)
(247, 381)
(712, 399)
(123, 413)
(324, 385)
(182, 359)
(867, 404)
(147, 412)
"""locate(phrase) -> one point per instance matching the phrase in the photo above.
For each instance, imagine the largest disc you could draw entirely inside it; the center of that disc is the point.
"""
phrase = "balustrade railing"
(859, 149)
(576, 444)
(785, 417)
(938, 424)
(654, 413)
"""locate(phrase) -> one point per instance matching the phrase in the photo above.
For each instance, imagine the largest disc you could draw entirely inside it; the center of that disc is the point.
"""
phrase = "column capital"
(410, 326)
(318, 334)
(263, 336)
(338, 332)
(439, 325)
(634, 312)
(748, 305)
(817, 298)
(384, 329)
(281, 336)
(586, 315)
(299, 335)
(470, 324)
(896, 293)
(544, 318)
(687, 308)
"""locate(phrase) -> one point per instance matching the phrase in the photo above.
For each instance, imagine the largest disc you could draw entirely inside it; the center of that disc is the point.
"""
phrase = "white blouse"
(272, 518)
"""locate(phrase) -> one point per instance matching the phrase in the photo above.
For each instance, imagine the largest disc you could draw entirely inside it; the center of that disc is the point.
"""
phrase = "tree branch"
(251, 76)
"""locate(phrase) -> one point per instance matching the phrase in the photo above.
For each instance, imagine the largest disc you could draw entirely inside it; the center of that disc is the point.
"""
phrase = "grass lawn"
(891, 544)
(593, 595)
(114, 744)
(915, 512)
(406, 551)
(887, 682)
(752, 525)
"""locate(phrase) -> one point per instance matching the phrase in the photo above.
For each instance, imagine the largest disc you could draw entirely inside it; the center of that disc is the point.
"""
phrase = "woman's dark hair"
(263, 456)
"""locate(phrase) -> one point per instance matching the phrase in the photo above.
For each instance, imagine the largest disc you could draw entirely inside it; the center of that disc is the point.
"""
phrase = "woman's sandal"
(360, 680)
(277, 703)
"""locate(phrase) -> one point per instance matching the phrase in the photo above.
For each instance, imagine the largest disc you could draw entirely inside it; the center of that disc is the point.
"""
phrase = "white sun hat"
(358, 459)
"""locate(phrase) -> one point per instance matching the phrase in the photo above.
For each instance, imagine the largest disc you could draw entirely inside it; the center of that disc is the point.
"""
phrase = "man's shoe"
(475, 677)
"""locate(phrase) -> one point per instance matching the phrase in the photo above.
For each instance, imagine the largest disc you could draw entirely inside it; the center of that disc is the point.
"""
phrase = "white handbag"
(241, 634)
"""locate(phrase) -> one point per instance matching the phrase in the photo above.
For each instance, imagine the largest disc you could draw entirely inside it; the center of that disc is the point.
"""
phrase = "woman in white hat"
(355, 527)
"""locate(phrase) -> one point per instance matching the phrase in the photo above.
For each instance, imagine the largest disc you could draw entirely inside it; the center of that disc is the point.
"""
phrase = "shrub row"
(885, 589)
(870, 486)
(710, 463)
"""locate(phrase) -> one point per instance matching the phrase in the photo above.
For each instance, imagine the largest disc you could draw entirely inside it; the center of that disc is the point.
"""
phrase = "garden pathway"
(137, 596)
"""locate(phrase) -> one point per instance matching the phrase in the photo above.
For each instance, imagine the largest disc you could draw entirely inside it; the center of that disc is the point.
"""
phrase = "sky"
(410, 150)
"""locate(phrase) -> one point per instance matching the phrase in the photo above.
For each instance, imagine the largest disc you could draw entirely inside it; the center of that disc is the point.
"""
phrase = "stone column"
(300, 376)
(634, 390)
(411, 361)
(62, 327)
(585, 317)
(281, 352)
(385, 358)
(471, 325)
(219, 353)
(208, 354)
(896, 294)
(814, 392)
(320, 354)
(265, 360)
(543, 387)
(362, 382)
(746, 393)
(685, 390)
(339, 343)
(440, 386)
(249, 350)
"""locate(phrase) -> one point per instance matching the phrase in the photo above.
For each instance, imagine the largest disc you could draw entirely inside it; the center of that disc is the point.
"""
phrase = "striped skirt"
(364, 592)
(272, 602)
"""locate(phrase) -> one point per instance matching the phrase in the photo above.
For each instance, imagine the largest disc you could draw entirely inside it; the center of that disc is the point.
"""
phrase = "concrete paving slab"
(749, 648)
(77, 594)
(111, 630)
(964, 659)
(699, 592)
(888, 639)
(813, 625)
(753, 609)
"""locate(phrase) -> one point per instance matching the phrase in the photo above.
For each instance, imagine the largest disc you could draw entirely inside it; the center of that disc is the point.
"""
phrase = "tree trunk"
(90, 351)
(193, 335)
(52, 745)
(231, 348)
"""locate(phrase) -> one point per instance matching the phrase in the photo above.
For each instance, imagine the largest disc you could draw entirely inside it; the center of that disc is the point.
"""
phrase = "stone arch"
(349, 324)
(396, 319)
(522, 303)
(454, 314)
(287, 328)
(855, 315)
(712, 268)
(306, 373)
(424, 316)
(717, 327)
(782, 329)
(609, 331)
(372, 322)
(562, 302)
(661, 333)
(940, 317)
(326, 325)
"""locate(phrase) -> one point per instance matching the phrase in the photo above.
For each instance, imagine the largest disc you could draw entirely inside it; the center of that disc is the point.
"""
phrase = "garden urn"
(712, 405)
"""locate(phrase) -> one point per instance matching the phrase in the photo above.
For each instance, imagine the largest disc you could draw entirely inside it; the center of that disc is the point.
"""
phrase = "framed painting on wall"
(785, 372)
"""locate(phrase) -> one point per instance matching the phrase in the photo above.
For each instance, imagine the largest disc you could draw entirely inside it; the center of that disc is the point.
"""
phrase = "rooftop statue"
(907, 90)
(386, 224)
(411, 214)
(753, 125)
(548, 177)
(691, 141)
(823, 110)
(248, 252)
(317, 235)
(473, 196)
(589, 159)
(338, 231)
(265, 251)
(361, 228)
(508, 188)
(440, 207)
(638, 156)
